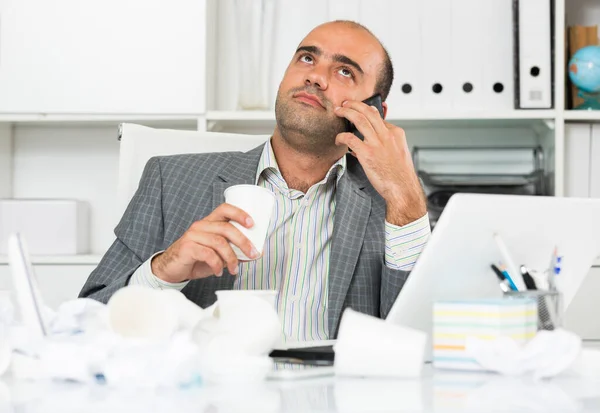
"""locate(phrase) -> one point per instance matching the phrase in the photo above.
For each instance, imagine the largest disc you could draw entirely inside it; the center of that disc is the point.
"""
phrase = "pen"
(552, 271)
(505, 284)
(528, 279)
(512, 267)
(506, 275)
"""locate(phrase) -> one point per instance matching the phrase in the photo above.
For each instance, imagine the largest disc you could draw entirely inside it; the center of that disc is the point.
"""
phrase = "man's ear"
(385, 109)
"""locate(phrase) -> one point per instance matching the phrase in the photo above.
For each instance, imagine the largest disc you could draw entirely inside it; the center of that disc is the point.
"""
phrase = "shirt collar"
(268, 162)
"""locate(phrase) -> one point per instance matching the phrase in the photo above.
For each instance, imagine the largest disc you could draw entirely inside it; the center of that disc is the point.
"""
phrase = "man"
(346, 229)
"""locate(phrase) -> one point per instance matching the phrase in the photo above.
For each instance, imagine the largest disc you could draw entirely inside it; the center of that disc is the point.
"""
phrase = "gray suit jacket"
(175, 191)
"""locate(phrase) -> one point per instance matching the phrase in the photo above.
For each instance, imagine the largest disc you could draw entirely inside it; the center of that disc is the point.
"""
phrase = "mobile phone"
(374, 100)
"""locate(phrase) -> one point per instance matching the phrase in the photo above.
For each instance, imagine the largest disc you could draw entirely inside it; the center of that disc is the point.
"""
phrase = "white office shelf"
(262, 119)
(582, 115)
(177, 121)
(250, 118)
(83, 259)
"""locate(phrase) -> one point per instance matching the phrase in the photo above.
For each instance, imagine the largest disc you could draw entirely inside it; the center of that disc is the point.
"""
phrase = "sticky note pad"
(489, 319)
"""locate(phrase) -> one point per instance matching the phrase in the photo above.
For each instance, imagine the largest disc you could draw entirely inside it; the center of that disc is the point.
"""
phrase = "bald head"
(385, 75)
(336, 62)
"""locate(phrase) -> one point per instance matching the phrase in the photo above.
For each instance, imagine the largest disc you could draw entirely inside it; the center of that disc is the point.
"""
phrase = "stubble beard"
(306, 129)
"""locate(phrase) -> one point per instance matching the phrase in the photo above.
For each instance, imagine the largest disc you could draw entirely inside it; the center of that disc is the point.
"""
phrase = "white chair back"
(140, 143)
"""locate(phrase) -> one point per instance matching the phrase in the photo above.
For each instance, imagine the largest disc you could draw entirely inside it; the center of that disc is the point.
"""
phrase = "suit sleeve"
(139, 234)
(392, 282)
(403, 246)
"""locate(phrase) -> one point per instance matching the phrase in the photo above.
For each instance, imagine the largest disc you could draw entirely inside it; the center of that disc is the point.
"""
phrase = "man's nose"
(318, 78)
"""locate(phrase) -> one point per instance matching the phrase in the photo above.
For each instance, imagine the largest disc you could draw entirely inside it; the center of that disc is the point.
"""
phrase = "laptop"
(25, 287)
(455, 263)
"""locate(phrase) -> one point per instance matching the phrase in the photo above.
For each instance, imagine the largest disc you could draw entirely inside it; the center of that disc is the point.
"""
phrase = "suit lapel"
(352, 210)
(353, 207)
(240, 170)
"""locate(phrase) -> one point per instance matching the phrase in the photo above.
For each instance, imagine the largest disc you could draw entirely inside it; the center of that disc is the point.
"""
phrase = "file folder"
(407, 56)
(436, 33)
(533, 54)
(497, 58)
(577, 160)
(468, 51)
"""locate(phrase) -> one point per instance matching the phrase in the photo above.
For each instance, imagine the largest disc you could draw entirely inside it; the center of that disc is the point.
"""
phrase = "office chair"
(140, 143)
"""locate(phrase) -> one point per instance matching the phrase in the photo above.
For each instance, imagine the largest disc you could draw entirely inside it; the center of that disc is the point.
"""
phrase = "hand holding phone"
(374, 100)
(385, 159)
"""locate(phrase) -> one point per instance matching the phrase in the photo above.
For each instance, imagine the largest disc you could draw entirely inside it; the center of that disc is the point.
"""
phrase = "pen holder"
(549, 305)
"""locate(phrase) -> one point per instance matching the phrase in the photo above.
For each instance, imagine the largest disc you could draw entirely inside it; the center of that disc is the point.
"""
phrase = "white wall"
(110, 56)
(70, 162)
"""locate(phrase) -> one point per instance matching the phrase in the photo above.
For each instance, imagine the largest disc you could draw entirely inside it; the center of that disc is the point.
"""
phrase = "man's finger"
(203, 232)
(220, 246)
(227, 212)
(370, 113)
(359, 120)
(351, 141)
(210, 257)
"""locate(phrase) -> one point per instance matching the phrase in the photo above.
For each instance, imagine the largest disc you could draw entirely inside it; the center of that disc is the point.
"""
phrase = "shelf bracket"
(549, 123)
(211, 125)
(203, 124)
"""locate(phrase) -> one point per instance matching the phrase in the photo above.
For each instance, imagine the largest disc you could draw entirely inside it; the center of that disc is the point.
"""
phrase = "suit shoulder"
(192, 160)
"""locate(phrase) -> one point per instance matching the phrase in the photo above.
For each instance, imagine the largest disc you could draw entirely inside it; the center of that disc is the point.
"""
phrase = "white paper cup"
(370, 347)
(258, 202)
(248, 318)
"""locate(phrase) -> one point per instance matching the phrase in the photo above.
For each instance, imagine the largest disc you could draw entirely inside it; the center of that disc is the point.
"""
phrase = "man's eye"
(346, 72)
(306, 58)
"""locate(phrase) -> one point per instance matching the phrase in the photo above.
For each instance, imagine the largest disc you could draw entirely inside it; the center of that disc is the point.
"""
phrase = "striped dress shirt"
(295, 260)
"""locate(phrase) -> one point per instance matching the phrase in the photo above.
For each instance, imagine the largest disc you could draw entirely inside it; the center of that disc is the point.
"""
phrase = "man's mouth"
(309, 99)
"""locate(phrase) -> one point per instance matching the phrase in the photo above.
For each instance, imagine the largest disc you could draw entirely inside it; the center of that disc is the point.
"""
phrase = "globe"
(584, 72)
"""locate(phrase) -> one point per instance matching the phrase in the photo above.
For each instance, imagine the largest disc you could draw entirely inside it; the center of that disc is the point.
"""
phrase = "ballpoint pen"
(513, 270)
(552, 271)
(504, 284)
(507, 277)
(528, 279)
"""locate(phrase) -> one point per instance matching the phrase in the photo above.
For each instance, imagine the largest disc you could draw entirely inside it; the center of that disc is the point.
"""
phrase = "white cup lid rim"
(251, 186)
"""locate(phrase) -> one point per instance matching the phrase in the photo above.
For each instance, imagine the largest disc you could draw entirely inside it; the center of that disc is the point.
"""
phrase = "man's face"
(334, 63)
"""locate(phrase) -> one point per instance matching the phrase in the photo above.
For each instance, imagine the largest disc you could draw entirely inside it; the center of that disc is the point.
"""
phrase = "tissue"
(151, 364)
(546, 355)
(587, 363)
(77, 316)
(368, 346)
(145, 338)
